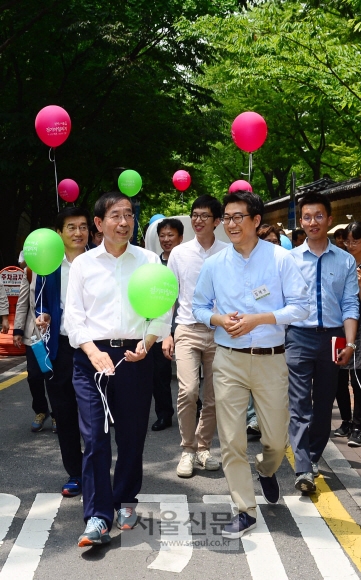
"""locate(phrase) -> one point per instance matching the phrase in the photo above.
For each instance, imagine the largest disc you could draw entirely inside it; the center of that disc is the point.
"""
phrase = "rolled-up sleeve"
(295, 295)
(350, 300)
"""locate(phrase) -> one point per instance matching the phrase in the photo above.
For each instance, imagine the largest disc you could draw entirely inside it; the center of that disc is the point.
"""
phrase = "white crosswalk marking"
(175, 557)
(9, 505)
(25, 555)
(327, 552)
(261, 552)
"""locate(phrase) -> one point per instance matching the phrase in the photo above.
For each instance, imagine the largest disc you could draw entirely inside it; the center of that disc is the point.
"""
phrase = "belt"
(118, 342)
(257, 350)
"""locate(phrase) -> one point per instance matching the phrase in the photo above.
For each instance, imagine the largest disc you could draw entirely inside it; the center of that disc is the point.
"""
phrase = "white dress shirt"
(97, 304)
(186, 261)
(64, 274)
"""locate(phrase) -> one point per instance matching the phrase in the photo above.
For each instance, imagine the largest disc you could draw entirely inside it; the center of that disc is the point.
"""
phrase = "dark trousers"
(36, 380)
(162, 377)
(65, 410)
(343, 395)
(129, 396)
(313, 379)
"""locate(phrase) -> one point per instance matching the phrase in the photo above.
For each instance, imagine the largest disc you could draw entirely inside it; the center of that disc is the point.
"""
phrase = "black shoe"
(240, 524)
(161, 424)
(344, 429)
(355, 438)
(270, 488)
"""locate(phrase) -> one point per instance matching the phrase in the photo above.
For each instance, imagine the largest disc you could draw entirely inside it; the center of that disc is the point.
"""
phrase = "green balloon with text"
(43, 251)
(130, 182)
(152, 290)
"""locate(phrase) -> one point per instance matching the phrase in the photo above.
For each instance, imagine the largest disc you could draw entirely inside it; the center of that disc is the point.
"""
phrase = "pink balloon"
(249, 131)
(68, 190)
(240, 185)
(53, 125)
(181, 180)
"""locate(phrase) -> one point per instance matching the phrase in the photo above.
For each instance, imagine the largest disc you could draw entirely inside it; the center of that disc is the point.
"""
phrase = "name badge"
(260, 292)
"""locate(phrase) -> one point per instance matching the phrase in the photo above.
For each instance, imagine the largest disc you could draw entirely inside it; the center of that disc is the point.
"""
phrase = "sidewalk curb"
(14, 371)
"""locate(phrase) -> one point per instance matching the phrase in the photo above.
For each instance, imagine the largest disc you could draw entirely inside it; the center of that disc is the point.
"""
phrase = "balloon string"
(97, 378)
(250, 167)
(56, 177)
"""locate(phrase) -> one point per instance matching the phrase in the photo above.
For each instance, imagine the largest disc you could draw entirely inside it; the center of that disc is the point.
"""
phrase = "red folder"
(338, 343)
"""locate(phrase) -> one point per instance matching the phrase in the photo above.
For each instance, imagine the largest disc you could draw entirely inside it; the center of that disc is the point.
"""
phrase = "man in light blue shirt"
(258, 289)
(333, 291)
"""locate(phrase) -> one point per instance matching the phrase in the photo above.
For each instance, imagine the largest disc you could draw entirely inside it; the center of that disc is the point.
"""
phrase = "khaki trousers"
(194, 344)
(235, 375)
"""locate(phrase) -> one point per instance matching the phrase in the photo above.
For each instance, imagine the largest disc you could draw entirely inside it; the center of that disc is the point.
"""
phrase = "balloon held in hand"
(152, 290)
(43, 251)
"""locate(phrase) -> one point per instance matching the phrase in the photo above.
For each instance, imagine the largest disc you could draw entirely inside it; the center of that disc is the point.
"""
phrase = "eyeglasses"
(71, 228)
(352, 244)
(202, 216)
(117, 218)
(237, 218)
(308, 218)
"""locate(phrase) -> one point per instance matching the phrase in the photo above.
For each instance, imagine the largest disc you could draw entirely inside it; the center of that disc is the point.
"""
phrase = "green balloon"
(152, 290)
(43, 251)
(130, 182)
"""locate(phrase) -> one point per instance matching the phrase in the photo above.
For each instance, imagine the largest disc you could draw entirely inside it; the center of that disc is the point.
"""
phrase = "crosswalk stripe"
(25, 555)
(172, 557)
(9, 505)
(326, 551)
(262, 555)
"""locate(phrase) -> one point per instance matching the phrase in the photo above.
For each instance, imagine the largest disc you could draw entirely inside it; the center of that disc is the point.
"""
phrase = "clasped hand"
(238, 324)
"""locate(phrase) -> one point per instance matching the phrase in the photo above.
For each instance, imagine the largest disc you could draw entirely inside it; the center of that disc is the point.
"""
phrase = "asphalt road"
(179, 531)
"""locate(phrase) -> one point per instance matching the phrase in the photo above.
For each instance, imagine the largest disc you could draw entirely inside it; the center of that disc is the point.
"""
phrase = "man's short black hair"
(173, 223)
(253, 202)
(339, 233)
(107, 200)
(313, 199)
(71, 212)
(296, 233)
(208, 201)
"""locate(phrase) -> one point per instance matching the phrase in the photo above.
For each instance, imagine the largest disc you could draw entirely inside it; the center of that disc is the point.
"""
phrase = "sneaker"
(126, 518)
(305, 482)
(38, 423)
(240, 524)
(96, 532)
(72, 487)
(53, 425)
(205, 458)
(355, 438)
(186, 464)
(253, 429)
(344, 429)
(315, 469)
(270, 488)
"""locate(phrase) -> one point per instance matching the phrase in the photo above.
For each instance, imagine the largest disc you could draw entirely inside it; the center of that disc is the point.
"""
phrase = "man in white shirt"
(193, 341)
(258, 290)
(104, 329)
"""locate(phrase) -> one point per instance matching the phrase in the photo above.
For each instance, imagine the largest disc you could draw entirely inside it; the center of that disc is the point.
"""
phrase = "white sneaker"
(186, 464)
(205, 458)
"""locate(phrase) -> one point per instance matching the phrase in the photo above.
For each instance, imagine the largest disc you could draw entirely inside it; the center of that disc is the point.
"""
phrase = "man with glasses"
(72, 224)
(333, 291)
(193, 341)
(258, 290)
(104, 329)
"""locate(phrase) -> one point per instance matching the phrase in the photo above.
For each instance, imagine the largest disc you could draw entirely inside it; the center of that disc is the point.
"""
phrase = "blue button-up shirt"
(332, 285)
(229, 279)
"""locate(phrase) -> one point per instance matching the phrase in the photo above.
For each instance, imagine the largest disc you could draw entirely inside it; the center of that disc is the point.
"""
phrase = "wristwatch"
(352, 345)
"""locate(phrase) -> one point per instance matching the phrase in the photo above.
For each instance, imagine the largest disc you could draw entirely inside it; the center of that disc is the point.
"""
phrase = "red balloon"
(68, 190)
(53, 125)
(249, 131)
(240, 185)
(181, 180)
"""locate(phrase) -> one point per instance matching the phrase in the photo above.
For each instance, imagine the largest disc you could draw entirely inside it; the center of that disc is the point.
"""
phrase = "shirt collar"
(200, 247)
(100, 250)
(305, 248)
